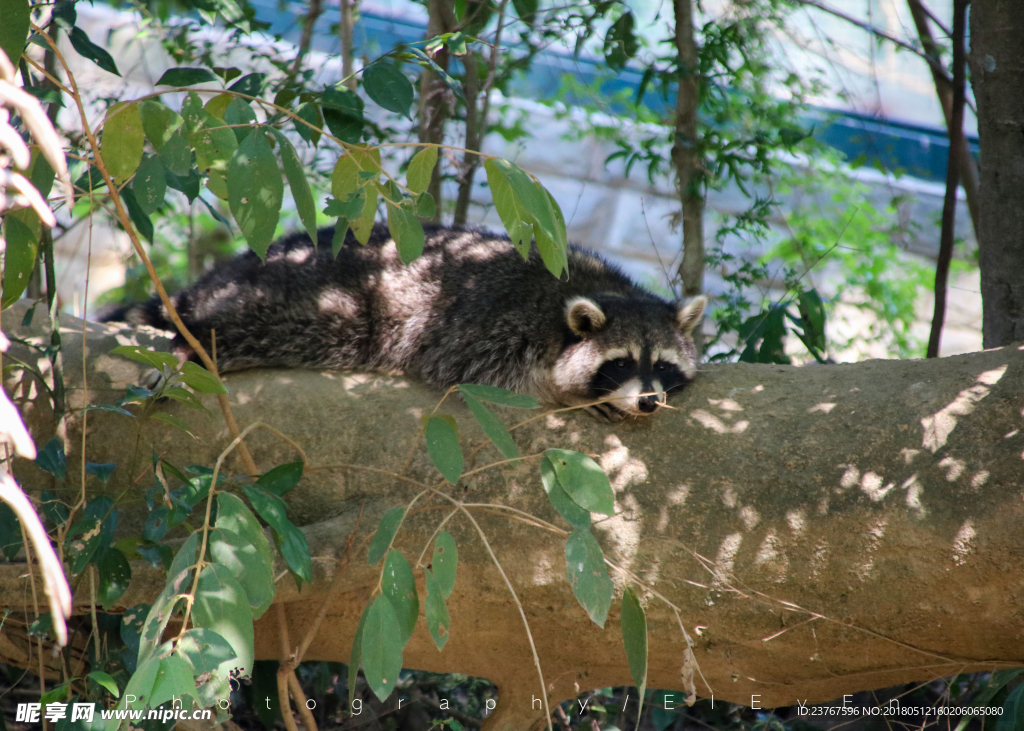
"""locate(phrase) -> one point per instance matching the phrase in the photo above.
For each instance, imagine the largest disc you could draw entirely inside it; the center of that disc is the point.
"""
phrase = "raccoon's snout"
(649, 404)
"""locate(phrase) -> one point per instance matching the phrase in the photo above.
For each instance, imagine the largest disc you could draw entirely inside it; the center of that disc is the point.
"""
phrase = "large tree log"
(822, 530)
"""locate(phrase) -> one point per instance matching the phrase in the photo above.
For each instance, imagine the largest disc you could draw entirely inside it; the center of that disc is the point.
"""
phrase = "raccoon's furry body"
(469, 310)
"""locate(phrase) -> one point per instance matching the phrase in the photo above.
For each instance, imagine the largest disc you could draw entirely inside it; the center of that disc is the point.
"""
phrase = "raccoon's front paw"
(605, 413)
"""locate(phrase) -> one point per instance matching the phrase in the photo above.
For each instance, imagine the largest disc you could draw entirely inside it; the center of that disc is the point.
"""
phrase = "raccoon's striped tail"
(150, 312)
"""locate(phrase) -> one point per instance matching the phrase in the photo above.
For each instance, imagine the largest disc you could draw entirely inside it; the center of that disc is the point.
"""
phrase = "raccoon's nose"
(648, 404)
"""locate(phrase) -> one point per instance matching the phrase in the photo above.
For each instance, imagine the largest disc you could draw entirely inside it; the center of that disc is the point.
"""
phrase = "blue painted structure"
(892, 146)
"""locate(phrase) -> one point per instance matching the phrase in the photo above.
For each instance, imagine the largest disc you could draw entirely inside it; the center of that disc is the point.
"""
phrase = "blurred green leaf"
(443, 448)
(255, 191)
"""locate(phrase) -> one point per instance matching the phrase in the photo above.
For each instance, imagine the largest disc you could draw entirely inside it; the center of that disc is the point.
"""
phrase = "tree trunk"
(821, 530)
(434, 92)
(997, 74)
(686, 156)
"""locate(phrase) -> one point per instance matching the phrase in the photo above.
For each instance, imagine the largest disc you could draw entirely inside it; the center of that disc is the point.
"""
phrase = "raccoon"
(469, 310)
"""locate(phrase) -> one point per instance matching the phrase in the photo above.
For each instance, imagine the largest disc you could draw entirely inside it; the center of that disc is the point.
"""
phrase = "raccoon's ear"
(690, 314)
(584, 316)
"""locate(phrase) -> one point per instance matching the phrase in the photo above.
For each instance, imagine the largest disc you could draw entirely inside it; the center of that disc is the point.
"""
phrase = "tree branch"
(953, 165)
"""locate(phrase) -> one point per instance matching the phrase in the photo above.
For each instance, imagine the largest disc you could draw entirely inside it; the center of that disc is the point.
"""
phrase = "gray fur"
(469, 310)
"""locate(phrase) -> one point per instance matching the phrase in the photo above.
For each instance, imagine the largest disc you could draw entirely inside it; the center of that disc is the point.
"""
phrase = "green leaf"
(421, 169)
(215, 149)
(812, 312)
(511, 210)
(165, 130)
(996, 682)
(443, 448)
(182, 394)
(235, 518)
(362, 227)
(309, 112)
(179, 576)
(42, 626)
(565, 505)
(525, 207)
(282, 478)
(634, 637)
(10, 532)
(200, 379)
(345, 128)
(255, 191)
(253, 570)
(54, 510)
(189, 185)
(55, 694)
(150, 184)
(346, 179)
(192, 112)
(340, 232)
(526, 10)
(406, 231)
(239, 112)
(492, 426)
(349, 209)
(399, 586)
(115, 575)
(156, 525)
(344, 100)
(21, 230)
(342, 110)
(584, 480)
(52, 459)
(1012, 717)
(137, 215)
(46, 96)
(175, 422)
(584, 562)
(87, 49)
(101, 678)
(139, 688)
(186, 76)
(173, 679)
(102, 470)
(250, 85)
(83, 538)
(152, 358)
(438, 620)
(425, 206)
(356, 656)
(15, 22)
(289, 539)
(499, 396)
(620, 43)
(389, 87)
(663, 716)
(382, 647)
(426, 61)
(223, 607)
(102, 509)
(382, 537)
(445, 562)
(205, 650)
(132, 622)
(299, 184)
(123, 140)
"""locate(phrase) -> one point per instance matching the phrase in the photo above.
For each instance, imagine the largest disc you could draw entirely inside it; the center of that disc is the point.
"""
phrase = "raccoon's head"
(629, 352)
